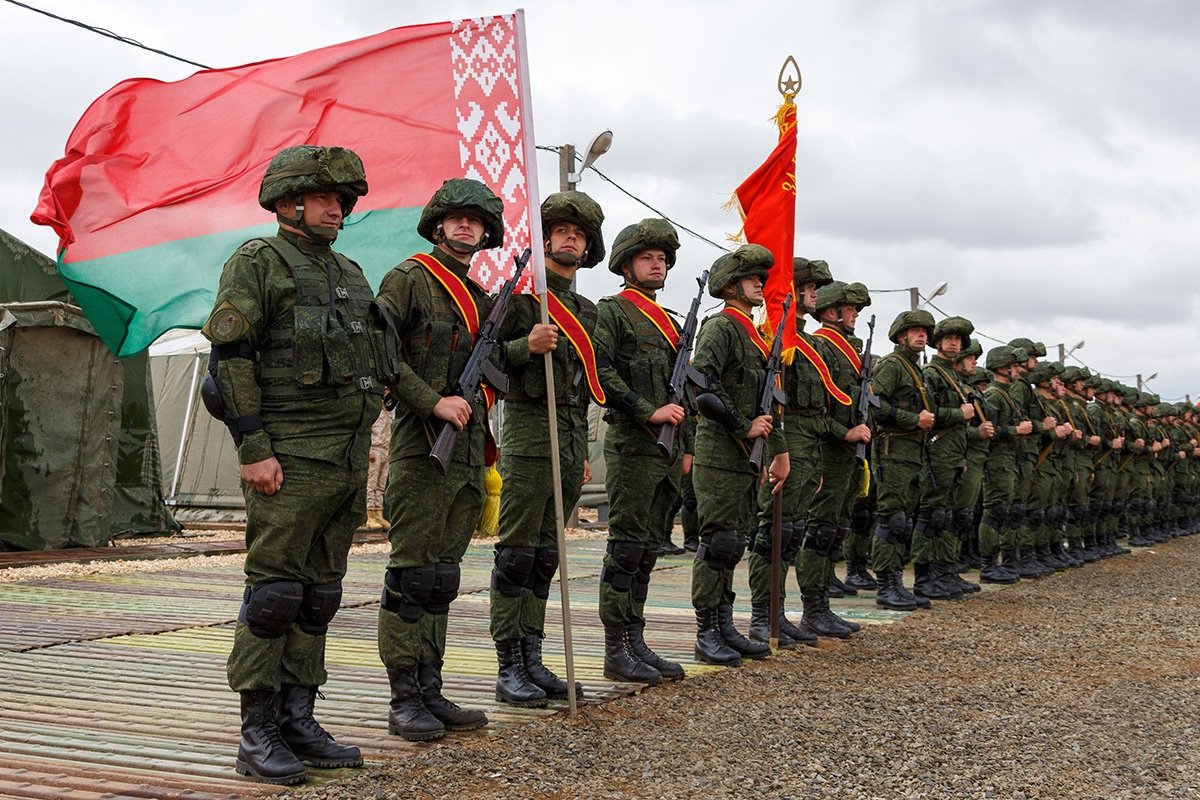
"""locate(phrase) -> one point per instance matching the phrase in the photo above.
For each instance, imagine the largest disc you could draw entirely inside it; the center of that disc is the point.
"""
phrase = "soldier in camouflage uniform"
(527, 553)
(935, 536)
(839, 474)
(437, 308)
(1051, 469)
(1002, 473)
(1100, 531)
(1024, 559)
(807, 420)
(732, 355)
(298, 359)
(980, 431)
(898, 460)
(1086, 445)
(636, 345)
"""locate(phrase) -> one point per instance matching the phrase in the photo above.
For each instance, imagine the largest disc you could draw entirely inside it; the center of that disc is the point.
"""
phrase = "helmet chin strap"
(743, 297)
(462, 248)
(566, 259)
(325, 235)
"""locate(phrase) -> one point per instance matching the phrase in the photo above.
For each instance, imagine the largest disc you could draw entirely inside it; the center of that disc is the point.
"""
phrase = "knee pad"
(641, 582)
(762, 540)
(625, 557)
(789, 540)
(321, 601)
(898, 523)
(964, 520)
(406, 590)
(1035, 517)
(689, 504)
(722, 550)
(937, 519)
(820, 538)
(446, 580)
(269, 608)
(545, 564)
(513, 567)
(996, 516)
(1016, 514)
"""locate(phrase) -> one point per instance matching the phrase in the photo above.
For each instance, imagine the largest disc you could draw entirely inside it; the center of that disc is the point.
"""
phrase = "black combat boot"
(992, 572)
(710, 647)
(262, 754)
(819, 621)
(305, 737)
(852, 625)
(513, 685)
(1075, 551)
(926, 583)
(408, 718)
(760, 625)
(797, 634)
(669, 670)
(1047, 556)
(1064, 554)
(890, 592)
(755, 650)
(839, 588)
(691, 540)
(1091, 548)
(452, 716)
(619, 662)
(951, 578)
(554, 686)
(858, 577)
(1017, 561)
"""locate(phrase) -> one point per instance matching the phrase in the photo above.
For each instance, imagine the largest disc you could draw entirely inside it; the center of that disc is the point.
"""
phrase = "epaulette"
(251, 247)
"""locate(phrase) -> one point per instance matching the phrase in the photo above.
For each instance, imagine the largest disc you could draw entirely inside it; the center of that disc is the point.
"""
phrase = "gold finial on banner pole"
(790, 80)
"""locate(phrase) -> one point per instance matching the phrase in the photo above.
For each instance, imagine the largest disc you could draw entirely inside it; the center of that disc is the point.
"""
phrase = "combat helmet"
(857, 295)
(911, 319)
(1034, 349)
(585, 212)
(972, 349)
(1044, 371)
(649, 234)
(307, 168)
(464, 194)
(951, 326)
(747, 261)
(1003, 356)
(806, 271)
(981, 375)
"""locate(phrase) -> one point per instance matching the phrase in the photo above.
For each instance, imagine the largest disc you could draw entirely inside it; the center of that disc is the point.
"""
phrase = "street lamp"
(1141, 381)
(567, 176)
(1063, 352)
(914, 294)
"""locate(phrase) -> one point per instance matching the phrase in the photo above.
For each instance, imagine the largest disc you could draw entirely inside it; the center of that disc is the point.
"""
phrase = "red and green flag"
(159, 183)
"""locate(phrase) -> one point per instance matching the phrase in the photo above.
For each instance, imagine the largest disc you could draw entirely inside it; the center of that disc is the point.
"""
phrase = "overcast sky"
(1041, 156)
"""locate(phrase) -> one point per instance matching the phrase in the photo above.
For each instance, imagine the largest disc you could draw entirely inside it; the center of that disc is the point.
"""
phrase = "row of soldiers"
(304, 354)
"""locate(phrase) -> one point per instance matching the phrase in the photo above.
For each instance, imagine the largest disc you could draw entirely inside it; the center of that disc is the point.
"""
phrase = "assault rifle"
(771, 393)
(683, 372)
(866, 398)
(479, 366)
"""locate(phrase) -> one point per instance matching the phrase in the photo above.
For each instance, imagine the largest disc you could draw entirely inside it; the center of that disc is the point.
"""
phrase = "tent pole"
(187, 418)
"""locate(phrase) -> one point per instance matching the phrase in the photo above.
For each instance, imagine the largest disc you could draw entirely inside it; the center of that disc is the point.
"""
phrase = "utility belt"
(807, 411)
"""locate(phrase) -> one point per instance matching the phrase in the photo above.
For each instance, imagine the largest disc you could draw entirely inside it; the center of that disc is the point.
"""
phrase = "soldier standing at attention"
(898, 461)
(1021, 518)
(980, 432)
(808, 418)
(298, 362)
(838, 473)
(636, 343)
(732, 355)
(935, 542)
(527, 553)
(438, 309)
(997, 532)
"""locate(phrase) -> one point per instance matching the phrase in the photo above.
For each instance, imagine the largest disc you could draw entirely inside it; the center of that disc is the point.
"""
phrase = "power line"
(107, 33)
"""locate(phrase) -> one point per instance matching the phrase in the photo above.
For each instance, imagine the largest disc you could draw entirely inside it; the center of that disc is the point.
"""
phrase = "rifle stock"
(771, 393)
(479, 367)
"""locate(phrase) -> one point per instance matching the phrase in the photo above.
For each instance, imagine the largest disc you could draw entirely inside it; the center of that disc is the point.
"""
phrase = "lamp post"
(1063, 352)
(1141, 382)
(568, 178)
(914, 294)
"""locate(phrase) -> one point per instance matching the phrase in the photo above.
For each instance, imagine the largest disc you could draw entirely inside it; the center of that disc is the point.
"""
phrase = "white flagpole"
(539, 284)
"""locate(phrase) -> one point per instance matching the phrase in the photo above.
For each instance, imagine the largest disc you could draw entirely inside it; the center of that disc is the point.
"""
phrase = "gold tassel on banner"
(489, 518)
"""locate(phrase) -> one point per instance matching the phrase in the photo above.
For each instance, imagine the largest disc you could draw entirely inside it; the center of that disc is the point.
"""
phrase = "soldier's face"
(808, 297)
(967, 364)
(322, 211)
(649, 269)
(463, 227)
(915, 339)
(950, 345)
(567, 238)
(849, 317)
(752, 290)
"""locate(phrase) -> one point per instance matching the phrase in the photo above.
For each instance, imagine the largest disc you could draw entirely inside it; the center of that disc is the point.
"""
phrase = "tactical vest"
(527, 383)
(805, 391)
(649, 370)
(335, 345)
(438, 351)
(907, 395)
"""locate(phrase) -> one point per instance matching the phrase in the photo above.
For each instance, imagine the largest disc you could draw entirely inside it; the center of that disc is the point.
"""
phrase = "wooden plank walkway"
(114, 685)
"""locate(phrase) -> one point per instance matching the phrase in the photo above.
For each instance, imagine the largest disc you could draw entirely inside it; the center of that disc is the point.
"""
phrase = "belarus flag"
(159, 184)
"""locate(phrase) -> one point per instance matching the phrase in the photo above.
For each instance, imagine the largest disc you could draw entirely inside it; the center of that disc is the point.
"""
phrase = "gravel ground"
(1084, 685)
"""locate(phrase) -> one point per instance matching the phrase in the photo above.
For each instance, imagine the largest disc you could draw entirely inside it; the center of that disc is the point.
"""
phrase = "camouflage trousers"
(528, 519)
(830, 508)
(301, 533)
(725, 501)
(896, 468)
(934, 540)
(1000, 484)
(432, 520)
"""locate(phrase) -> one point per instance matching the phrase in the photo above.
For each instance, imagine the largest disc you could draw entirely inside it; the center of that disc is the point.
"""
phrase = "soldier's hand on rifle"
(968, 411)
(1182, 454)
(987, 430)
(671, 412)
(1077, 433)
(1156, 446)
(1024, 427)
(1118, 443)
(859, 433)
(264, 477)
(778, 471)
(925, 419)
(761, 426)
(1062, 431)
(1094, 441)
(543, 339)
(1139, 443)
(587, 472)
(454, 410)
(1048, 423)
